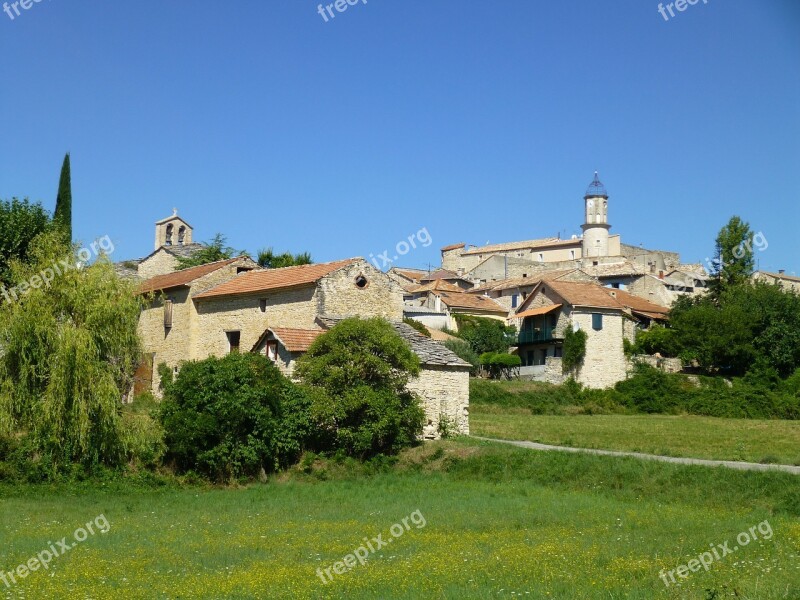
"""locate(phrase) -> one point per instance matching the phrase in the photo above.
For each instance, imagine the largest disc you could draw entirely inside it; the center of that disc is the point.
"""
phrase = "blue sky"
(477, 121)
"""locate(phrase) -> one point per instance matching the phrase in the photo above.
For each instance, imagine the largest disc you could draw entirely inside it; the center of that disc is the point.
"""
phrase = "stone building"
(608, 317)
(236, 306)
(596, 251)
(787, 282)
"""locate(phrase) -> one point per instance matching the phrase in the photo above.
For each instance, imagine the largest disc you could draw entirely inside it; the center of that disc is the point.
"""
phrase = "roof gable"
(183, 278)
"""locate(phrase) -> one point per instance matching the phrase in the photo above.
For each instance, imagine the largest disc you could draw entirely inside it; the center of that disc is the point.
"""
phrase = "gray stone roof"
(430, 353)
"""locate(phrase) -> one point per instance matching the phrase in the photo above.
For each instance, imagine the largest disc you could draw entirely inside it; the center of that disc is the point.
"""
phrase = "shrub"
(485, 335)
(574, 349)
(465, 352)
(417, 325)
(222, 416)
(359, 371)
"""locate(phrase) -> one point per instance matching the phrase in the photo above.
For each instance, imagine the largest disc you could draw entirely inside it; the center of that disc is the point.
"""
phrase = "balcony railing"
(529, 336)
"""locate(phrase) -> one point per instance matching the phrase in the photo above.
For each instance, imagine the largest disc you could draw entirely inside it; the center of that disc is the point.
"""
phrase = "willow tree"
(68, 351)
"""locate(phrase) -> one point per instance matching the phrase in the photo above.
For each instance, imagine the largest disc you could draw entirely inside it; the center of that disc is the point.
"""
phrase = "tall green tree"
(358, 374)
(20, 222)
(63, 213)
(216, 249)
(733, 261)
(268, 259)
(69, 352)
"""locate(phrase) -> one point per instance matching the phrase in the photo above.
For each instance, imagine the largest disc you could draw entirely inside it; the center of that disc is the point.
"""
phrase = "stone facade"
(445, 395)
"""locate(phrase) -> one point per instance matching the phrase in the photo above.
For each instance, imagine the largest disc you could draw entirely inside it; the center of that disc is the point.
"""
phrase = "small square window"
(234, 339)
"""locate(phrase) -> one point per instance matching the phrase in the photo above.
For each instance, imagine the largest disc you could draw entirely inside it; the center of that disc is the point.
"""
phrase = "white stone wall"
(338, 294)
(444, 391)
(605, 363)
(160, 263)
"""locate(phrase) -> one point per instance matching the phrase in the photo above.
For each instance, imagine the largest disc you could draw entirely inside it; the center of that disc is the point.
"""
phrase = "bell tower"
(173, 231)
(595, 227)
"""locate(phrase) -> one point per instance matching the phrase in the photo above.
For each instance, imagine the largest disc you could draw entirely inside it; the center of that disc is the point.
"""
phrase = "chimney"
(781, 271)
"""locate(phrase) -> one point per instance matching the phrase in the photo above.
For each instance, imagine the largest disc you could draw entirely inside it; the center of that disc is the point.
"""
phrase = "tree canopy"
(62, 216)
(20, 222)
(268, 259)
(212, 251)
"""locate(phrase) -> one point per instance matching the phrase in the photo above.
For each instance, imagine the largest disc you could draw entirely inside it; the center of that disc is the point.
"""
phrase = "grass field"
(687, 436)
(500, 522)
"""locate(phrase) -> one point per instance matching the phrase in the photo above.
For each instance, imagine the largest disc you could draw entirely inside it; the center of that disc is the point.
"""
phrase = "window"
(272, 350)
(541, 257)
(572, 254)
(514, 299)
(558, 351)
(234, 337)
(361, 282)
(553, 321)
(597, 321)
(167, 316)
(262, 305)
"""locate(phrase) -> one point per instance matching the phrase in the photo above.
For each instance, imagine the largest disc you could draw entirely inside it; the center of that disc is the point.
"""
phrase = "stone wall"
(605, 363)
(668, 365)
(160, 263)
(338, 294)
(444, 391)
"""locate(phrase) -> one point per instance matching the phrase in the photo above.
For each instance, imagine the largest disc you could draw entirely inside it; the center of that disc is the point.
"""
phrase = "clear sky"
(477, 121)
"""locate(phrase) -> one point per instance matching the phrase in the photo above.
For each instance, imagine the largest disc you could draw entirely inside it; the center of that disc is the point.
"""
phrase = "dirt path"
(731, 464)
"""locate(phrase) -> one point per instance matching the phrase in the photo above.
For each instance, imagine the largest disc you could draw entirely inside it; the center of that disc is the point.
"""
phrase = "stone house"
(235, 306)
(511, 293)
(608, 316)
(787, 282)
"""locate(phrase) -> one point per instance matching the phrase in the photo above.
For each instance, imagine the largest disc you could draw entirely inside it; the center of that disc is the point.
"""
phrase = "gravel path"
(731, 464)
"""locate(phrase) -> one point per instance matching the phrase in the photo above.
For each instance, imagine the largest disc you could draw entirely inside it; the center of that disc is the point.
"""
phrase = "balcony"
(532, 336)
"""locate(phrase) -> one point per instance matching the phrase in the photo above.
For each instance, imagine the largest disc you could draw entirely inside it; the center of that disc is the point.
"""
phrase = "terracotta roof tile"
(296, 340)
(440, 285)
(182, 278)
(470, 301)
(453, 246)
(441, 274)
(264, 280)
(589, 294)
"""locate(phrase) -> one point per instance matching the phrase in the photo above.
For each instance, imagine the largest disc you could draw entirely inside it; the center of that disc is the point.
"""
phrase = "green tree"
(222, 416)
(464, 351)
(20, 223)
(733, 262)
(269, 260)
(69, 351)
(360, 370)
(486, 335)
(574, 349)
(63, 213)
(216, 249)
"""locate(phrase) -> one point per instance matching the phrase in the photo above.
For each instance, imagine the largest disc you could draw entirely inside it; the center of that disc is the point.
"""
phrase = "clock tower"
(595, 227)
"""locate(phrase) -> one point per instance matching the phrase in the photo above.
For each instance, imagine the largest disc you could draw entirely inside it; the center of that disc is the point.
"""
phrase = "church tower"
(595, 227)
(173, 231)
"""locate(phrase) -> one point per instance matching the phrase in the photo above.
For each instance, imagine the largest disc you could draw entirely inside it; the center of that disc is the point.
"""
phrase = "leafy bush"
(359, 371)
(500, 364)
(485, 335)
(417, 325)
(465, 352)
(574, 349)
(651, 390)
(657, 339)
(222, 416)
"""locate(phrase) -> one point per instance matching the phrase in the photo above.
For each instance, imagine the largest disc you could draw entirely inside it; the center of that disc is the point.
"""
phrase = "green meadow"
(499, 522)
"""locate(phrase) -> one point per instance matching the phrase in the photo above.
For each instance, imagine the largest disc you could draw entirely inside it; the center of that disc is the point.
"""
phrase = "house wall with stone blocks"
(605, 362)
(338, 294)
(160, 263)
(444, 392)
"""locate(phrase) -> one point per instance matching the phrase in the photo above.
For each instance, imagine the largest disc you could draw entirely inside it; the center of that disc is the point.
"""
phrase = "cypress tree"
(63, 214)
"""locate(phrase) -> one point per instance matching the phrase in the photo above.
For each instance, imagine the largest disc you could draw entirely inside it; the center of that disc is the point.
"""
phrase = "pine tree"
(63, 214)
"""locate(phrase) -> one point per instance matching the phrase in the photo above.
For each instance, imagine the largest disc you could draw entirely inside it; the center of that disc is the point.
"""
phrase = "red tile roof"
(296, 340)
(470, 301)
(453, 246)
(535, 312)
(264, 280)
(439, 285)
(589, 294)
(182, 278)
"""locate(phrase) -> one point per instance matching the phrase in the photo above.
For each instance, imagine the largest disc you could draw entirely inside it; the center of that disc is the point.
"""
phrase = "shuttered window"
(167, 314)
